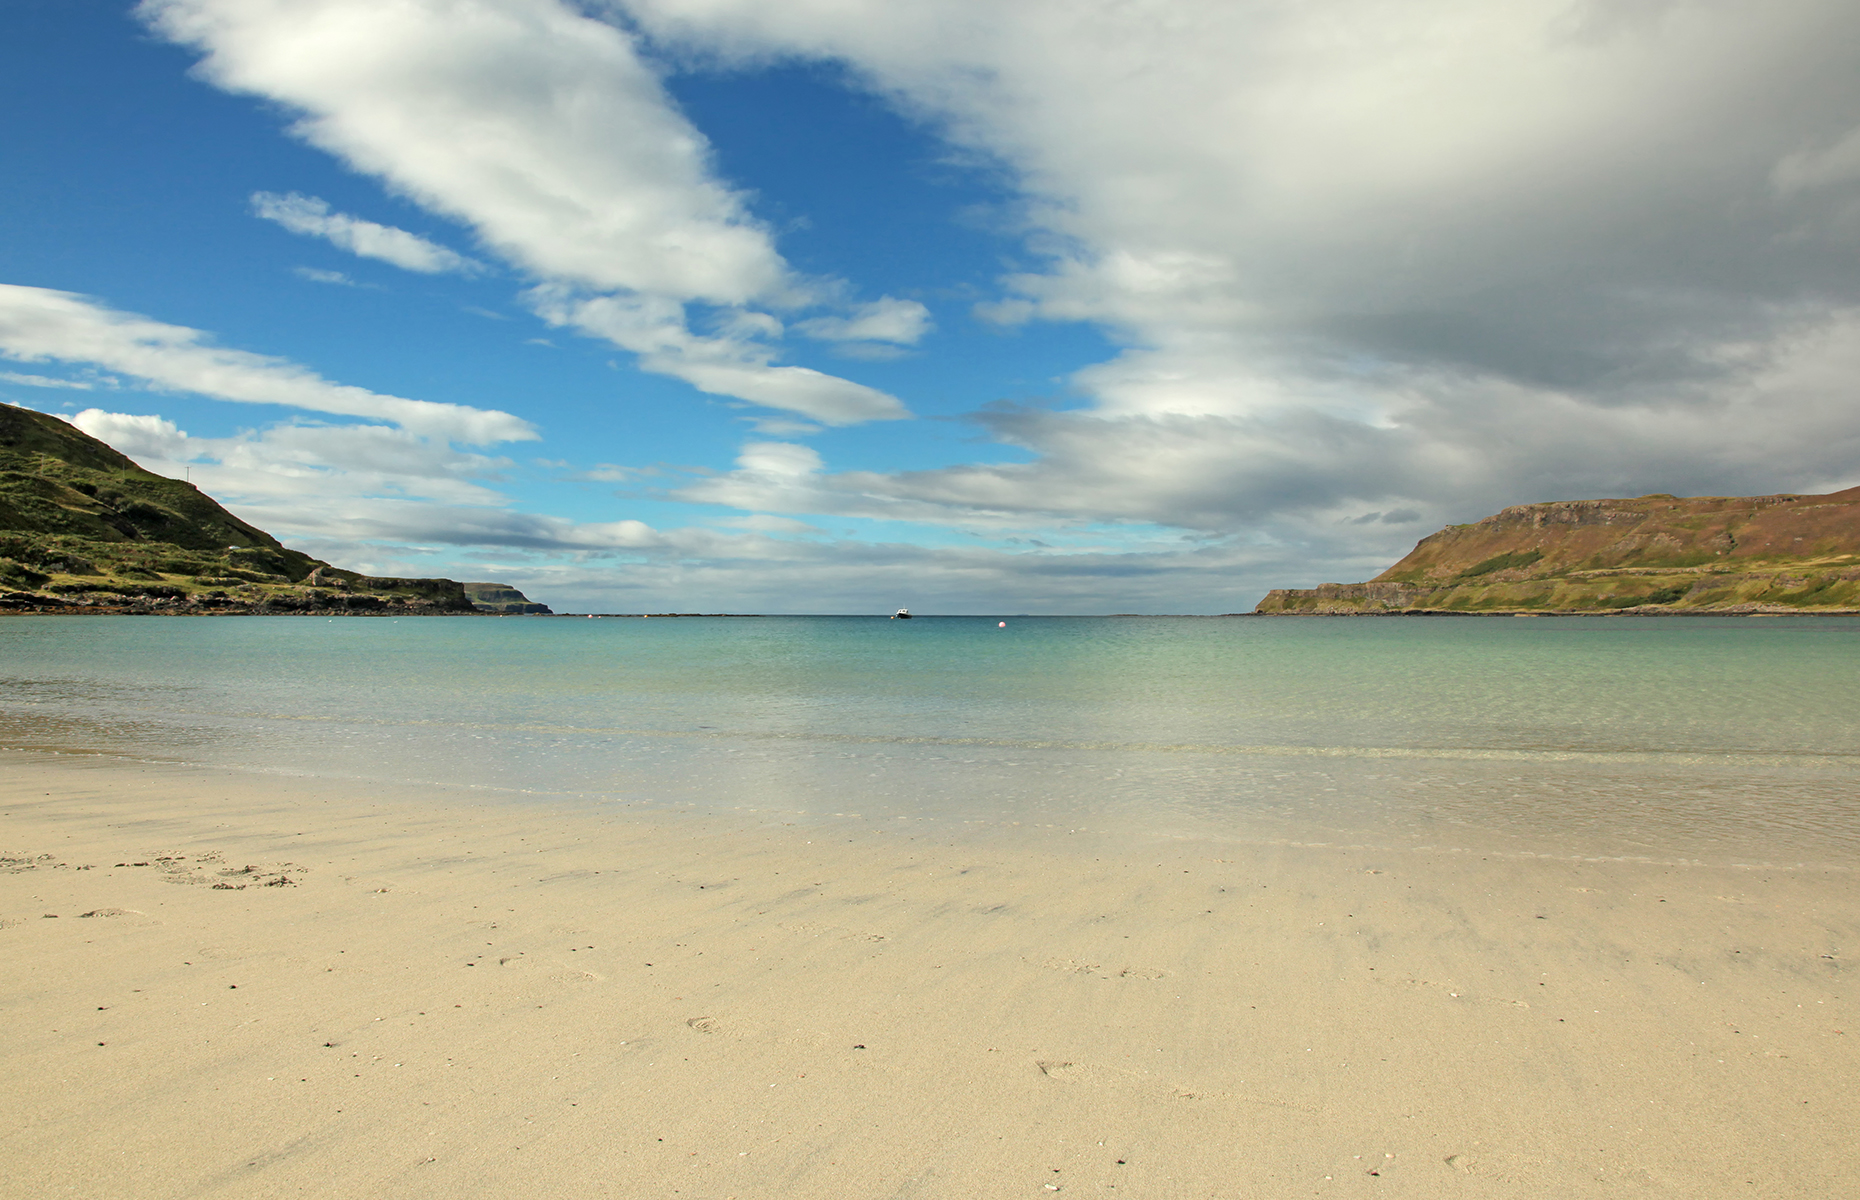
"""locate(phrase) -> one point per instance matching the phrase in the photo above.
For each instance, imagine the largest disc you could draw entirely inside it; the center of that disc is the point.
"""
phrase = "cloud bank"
(1365, 257)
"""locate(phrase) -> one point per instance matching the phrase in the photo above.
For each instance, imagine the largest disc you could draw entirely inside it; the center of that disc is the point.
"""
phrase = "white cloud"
(786, 477)
(903, 322)
(45, 381)
(138, 436)
(344, 522)
(730, 365)
(779, 460)
(826, 398)
(311, 216)
(545, 131)
(540, 128)
(40, 325)
(319, 275)
(305, 480)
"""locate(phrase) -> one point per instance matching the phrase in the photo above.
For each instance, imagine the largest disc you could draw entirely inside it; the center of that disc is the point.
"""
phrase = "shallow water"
(1717, 739)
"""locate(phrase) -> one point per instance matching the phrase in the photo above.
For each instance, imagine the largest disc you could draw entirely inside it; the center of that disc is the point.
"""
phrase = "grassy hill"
(84, 529)
(1651, 554)
(503, 599)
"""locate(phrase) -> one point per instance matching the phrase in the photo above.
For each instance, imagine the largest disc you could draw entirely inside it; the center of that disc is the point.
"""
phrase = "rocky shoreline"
(163, 601)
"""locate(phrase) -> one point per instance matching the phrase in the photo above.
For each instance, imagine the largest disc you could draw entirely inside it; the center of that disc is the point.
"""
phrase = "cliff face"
(502, 599)
(1654, 553)
(84, 529)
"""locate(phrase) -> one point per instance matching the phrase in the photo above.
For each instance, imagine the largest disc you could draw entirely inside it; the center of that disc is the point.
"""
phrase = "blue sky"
(839, 305)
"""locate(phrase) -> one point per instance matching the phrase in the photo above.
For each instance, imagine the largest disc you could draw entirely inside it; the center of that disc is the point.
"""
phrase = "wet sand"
(224, 984)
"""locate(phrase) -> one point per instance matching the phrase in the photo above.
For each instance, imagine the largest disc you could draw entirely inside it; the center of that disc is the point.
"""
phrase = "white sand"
(457, 998)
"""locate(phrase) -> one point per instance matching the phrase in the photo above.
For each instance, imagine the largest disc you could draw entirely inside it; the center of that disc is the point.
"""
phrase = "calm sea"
(1677, 739)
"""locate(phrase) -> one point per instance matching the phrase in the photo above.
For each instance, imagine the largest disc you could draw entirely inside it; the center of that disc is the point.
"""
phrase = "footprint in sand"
(726, 1027)
(220, 953)
(1093, 1075)
(552, 971)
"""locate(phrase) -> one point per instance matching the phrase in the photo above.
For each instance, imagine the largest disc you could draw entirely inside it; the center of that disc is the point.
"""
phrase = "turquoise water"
(1724, 739)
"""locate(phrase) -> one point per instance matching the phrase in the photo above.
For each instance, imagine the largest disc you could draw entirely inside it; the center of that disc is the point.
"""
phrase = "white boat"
(903, 614)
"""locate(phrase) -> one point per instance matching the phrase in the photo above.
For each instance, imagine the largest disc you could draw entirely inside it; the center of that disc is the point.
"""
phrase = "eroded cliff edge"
(1650, 554)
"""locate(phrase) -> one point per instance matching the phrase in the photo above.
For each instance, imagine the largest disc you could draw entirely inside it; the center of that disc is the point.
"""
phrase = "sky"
(1059, 306)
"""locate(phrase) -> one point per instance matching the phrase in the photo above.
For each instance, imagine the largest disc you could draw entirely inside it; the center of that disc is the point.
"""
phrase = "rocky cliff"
(502, 599)
(84, 529)
(1651, 554)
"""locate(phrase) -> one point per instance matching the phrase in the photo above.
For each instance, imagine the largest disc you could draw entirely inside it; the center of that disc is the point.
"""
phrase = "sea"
(1724, 740)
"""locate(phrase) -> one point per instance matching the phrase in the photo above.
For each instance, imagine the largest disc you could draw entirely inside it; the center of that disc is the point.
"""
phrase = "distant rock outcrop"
(503, 599)
(83, 529)
(1652, 554)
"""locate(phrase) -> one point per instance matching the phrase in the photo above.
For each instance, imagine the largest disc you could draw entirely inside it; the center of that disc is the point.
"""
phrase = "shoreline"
(453, 995)
(1745, 610)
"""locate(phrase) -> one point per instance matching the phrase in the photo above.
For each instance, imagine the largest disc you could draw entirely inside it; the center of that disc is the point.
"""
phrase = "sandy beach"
(225, 984)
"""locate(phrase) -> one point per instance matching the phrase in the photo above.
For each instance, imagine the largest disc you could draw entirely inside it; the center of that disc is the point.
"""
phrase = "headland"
(83, 529)
(1653, 554)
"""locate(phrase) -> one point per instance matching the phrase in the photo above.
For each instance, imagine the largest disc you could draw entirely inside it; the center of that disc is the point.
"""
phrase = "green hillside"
(1658, 553)
(84, 529)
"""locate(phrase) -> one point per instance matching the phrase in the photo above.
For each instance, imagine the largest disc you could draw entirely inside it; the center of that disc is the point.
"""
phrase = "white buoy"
(1001, 625)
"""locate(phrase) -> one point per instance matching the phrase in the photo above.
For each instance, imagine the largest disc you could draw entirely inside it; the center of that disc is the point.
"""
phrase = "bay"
(1714, 739)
